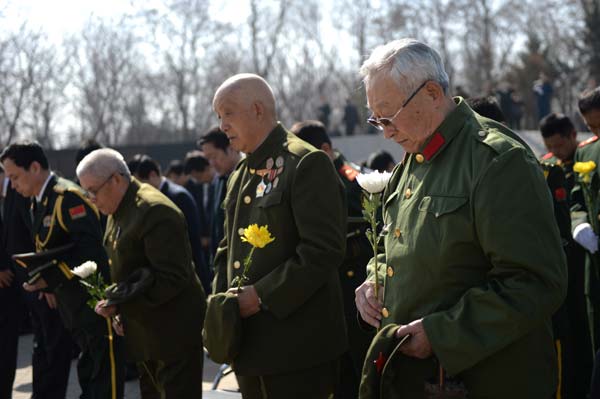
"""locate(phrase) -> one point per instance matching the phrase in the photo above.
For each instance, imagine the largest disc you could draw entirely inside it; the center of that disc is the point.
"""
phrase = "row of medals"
(270, 176)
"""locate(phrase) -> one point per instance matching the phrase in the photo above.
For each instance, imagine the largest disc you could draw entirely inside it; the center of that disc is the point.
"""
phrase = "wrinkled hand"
(118, 326)
(105, 311)
(50, 299)
(418, 344)
(585, 236)
(6, 278)
(247, 299)
(369, 307)
(38, 285)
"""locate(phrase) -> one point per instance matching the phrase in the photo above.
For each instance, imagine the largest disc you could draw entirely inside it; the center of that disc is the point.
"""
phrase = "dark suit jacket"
(186, 203)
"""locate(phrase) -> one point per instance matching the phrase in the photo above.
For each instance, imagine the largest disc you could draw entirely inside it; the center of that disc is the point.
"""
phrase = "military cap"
(137, 282)
(222, 331)
(38, 262)
(385, 365)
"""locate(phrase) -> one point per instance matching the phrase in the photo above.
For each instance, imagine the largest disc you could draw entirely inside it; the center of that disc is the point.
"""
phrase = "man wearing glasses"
(162, 304)
(473, 266)
(61, 215)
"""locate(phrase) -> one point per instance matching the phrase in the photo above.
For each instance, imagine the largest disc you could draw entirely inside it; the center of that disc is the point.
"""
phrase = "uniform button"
(236, 264)
(385, 312)
(390, 272)
(407, 193)
(481, 133)
(110, 262)
(350, 273)
(397, 233)
(420, 158)
(241, 231)
(247, 199)
(252, 171)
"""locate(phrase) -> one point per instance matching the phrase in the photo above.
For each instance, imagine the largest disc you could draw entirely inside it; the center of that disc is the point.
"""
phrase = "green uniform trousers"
(181, 378)
(314, 383)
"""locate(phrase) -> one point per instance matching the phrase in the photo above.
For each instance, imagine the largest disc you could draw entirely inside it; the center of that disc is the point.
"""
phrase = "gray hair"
(408, 62)
(103, 163)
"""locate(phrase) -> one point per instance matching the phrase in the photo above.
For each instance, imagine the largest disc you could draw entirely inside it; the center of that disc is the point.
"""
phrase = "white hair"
(408, 62)
(103, 163)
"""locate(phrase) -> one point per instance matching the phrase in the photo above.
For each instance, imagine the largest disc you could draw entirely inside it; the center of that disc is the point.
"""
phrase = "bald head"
(246, 89)
(245, 104)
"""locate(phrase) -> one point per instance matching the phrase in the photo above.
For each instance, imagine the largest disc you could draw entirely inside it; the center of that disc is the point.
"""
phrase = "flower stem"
(374, 242)
(247, 263)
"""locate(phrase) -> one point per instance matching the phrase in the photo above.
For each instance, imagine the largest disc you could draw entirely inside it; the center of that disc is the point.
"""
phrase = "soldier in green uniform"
(474, 268)
(147, 233)
(358, 252)
(560, 138)
(62, 215)
(293, 328)
(583, 233)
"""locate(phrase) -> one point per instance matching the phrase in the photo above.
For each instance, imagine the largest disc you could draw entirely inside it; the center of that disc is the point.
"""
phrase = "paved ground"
(22, 386)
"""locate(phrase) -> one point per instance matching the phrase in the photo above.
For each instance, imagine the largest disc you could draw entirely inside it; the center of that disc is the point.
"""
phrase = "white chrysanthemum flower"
(373, 182)
(86, 269)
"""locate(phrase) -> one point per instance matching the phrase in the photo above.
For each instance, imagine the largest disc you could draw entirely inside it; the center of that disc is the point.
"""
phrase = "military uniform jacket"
(473, 249)
(293, 189)
(65, 216)
(149, 231)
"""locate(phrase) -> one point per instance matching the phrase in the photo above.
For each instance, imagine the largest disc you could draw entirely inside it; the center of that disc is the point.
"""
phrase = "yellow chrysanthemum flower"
(256, 236)
(584, 169)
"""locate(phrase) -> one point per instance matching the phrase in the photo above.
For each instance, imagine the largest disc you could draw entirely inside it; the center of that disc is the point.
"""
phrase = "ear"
(259, 109)
(325, 147)
(35, 167)
(434, 90)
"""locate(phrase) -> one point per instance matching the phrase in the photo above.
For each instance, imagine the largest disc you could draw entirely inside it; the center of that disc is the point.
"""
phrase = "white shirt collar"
(5, 184)
(38, 197)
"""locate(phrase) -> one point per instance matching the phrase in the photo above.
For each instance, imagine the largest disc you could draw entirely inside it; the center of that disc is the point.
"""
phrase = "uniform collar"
(128, 198)
(40, 196)
(450, 126)
(163, 183)
(273, 141)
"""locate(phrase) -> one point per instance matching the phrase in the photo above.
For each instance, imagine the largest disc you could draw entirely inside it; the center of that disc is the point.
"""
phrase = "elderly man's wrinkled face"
(238, 121)
(409, 128)
(101, 192)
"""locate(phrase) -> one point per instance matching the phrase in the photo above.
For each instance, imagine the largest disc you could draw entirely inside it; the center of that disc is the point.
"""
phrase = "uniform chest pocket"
(439, 206)
(271, 199)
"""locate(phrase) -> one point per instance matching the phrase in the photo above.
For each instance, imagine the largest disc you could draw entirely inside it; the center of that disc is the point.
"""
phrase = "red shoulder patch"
(560, 194)
(588, 141)
(548, 156)
(348, 172)
(77, 212)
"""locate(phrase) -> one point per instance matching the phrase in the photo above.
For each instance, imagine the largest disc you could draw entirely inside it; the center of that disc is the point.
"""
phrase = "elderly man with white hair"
(162, 303)
(473, 265)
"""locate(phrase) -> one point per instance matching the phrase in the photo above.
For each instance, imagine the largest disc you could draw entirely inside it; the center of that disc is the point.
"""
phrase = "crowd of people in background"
(182, 221)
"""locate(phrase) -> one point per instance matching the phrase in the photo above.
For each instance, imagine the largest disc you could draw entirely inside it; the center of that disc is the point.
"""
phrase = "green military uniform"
(571, 332)
(289, 348)
(474, 251)
(352, 273)
(589, 150)
(163, 324)
(65, 216)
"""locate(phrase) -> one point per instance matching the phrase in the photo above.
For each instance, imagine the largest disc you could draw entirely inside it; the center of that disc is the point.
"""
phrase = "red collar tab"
(588, 141)
(548, 156)
(434, 145)
(380, 362)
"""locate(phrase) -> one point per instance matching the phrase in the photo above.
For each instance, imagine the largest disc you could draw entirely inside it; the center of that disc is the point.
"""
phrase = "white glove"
(586, 237)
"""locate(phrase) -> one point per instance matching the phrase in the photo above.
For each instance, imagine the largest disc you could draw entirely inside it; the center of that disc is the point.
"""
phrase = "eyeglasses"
(381, 123)
(91, 194)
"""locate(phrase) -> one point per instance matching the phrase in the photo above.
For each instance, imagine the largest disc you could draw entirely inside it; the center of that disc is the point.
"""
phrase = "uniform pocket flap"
(273, 198)
(440, 205)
